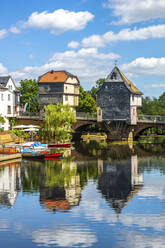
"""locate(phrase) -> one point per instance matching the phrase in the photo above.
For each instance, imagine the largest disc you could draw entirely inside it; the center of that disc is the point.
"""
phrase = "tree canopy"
(153, 106)
(86, 102)
(57, 122)
(29, 94)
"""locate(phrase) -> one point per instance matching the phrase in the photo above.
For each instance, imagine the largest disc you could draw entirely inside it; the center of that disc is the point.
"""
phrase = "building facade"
(118, 98)
(9, 100)
(58, 86)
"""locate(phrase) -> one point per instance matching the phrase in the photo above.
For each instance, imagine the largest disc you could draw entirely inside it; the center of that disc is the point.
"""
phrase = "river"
(93, 197)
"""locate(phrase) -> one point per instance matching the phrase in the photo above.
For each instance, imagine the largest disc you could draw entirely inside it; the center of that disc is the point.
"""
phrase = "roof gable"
(117, 76)
(5, 80)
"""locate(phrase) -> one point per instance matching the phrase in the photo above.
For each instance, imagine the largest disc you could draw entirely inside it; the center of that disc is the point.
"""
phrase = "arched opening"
(150, 133)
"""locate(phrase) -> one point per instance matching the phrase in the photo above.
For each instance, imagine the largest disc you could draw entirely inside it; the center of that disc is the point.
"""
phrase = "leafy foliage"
(58, 121)
(94, 89)
(86, 102)
(29, 94)
(2, 120)
(155, 106)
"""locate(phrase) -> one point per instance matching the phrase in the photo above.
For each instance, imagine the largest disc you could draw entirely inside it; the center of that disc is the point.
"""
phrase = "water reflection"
(60, 183)
(10, 183)
(119, 181)
(60, 186)
(109, 199)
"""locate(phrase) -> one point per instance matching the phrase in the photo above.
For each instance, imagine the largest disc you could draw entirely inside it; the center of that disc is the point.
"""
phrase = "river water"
(93, 197)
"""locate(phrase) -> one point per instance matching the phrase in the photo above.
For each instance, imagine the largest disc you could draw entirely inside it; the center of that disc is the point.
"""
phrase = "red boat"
(53, 155)
(64, 145)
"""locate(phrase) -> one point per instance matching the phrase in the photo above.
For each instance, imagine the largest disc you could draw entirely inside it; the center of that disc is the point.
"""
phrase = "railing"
(79, 115)
(151, 119)
(86, 116)
(93, 116)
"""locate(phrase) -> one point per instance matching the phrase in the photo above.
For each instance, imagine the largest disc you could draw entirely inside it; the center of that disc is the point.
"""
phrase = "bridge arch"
(141, 127)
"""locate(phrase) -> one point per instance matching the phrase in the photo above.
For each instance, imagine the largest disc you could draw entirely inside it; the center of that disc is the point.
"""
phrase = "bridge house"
(118, 98)
(58, 86)
(9, 100)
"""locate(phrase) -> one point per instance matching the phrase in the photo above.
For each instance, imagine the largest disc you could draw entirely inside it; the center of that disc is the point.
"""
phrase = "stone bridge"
(116, 130)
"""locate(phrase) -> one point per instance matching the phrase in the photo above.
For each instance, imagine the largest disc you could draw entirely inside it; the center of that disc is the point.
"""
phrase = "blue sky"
(85, 37)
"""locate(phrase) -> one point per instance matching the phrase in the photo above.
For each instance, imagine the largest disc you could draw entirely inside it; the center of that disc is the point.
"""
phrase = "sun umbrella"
(20, 126)
(32, 129)
(32, 126)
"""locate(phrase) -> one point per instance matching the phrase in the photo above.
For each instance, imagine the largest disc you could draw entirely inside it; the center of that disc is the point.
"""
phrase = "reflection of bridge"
(116, 129)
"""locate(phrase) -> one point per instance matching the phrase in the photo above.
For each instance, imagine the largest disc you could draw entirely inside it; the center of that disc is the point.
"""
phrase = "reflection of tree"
(87, 171)
(57, 176)
(102, 150)
(31, 176)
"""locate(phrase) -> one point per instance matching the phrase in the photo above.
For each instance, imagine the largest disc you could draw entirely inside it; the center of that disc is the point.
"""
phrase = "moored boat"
(27, 153)
(63, 145)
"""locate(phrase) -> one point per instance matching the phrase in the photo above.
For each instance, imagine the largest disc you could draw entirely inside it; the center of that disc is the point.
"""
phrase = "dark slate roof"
(117, 76)
(4, 80)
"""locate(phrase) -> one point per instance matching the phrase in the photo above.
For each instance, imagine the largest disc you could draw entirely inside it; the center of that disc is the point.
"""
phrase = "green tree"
(29, 94)
(58, 121)
(94, 89)
(86, 102)
(2, 120)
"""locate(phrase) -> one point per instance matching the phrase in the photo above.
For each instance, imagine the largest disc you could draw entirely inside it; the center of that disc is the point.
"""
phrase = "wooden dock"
(6, 157)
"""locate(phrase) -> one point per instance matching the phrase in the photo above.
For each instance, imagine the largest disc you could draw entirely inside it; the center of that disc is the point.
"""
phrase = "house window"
(121, 86)
(106, 87)
(66, 97)
(110, 98)
(133, 98)
(2, 97)
(9, 109)
(8, 97)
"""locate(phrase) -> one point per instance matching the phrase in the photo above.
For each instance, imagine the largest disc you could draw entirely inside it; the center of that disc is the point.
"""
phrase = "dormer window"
(114, 76)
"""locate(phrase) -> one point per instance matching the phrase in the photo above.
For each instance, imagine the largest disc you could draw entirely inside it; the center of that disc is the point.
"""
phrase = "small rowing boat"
(63, 145)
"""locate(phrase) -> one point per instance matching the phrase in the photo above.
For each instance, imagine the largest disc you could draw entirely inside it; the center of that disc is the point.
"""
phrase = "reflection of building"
(64, 192)
(9, 184)
(119, 181)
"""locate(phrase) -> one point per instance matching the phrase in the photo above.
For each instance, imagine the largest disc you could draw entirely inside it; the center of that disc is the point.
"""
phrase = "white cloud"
(155, 86)
(136, 239)
(80, 236)
(15, 30)
(73, 44)
(58, 21)
(3, 33)
(88, 64)
(132, 11)
(155, 31)
(145, 66)
(3, 70)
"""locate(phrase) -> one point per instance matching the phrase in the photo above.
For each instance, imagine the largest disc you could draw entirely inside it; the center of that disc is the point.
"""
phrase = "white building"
(9, 100)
